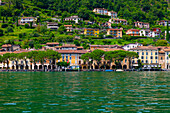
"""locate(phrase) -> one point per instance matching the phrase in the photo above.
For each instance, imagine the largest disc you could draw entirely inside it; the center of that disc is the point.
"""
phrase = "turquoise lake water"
(84, 92)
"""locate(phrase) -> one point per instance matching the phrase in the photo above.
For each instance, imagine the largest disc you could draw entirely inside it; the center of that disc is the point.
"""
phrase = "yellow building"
(151, 57)
(91, 32)
(115, 32)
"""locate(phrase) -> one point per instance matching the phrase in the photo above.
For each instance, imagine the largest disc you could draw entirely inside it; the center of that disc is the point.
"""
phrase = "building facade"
(91, 32)
(133, 32)
(115, 32)
(117, 21)
(141, 24)
(27, 20)
(52, 25)
(131, 46)
(74, 18)
(164, 22)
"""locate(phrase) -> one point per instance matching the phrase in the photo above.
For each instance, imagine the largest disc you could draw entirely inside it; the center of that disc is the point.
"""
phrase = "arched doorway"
(40, 66)
(13, 67)
(113, 67)
(96, 67)
(21, 67)
(45, 67)
(125, 67)
(35, 67)
(26, 67)
(80, 67)
(102, 67)
(107, 67)
(84, 67)
(49, 66)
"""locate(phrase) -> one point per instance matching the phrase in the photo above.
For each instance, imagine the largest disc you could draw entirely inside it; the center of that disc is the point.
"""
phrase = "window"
(161, 58)
(167, 58)
(142, 57)
(156, 53)
(146, 61)
(151, 53)
(156, 61)
(142, 61)
(138, 53)
(146, 57)
(142, 53)
(156, 57)
(151, 57)
(151, 61)
(167, 53)
(125, 60)
(146, 53)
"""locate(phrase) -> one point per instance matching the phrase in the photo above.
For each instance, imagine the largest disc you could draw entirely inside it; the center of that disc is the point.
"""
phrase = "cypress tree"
(3, 20)
(167, 32)
(17, 21)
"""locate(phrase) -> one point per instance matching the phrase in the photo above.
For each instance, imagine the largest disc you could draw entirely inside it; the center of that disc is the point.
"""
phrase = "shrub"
(4, 25)
(1, 32)
(10, 29)
(27, 26)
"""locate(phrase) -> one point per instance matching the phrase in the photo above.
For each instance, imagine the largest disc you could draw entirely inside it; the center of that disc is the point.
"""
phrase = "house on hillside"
(164, 22)
(117, 21)
(115, 32)
(145, 32)
(141, 24)
(103, 11)
(27, 20)
(131, 46)
(9, 47)
(69, 28)
(74, 18)
(133, 32)
(52, 25)
(91, 32)
(156, 32)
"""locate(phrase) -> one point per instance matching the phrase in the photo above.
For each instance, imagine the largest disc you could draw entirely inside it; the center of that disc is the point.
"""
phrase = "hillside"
(132, 10)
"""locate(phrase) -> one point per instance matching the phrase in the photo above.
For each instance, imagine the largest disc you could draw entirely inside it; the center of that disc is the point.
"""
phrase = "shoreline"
(83, 70)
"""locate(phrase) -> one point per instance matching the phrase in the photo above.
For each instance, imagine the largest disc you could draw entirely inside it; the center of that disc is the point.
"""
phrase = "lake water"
(84, 92)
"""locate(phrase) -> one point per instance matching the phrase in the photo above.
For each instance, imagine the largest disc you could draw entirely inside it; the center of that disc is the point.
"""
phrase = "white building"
(112, 14)
(131, 45)
(167, 59)
(0, 2)
(73, 18)
(52, 25)
(144, 32)
(28, 20)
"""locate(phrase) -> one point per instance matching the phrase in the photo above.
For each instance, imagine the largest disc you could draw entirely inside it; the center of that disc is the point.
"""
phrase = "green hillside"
(132, 10)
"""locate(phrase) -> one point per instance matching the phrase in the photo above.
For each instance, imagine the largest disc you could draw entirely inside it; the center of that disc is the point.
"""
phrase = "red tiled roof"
(72, 51)
(114, 29)
(67, 25)
(6, 45)
(52, 43)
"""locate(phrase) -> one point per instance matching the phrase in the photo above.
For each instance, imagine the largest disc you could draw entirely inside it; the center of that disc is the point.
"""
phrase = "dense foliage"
(132, 10)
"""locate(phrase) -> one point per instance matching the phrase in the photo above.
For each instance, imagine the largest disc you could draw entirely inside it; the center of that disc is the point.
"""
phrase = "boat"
(108, 70)
(119, 70)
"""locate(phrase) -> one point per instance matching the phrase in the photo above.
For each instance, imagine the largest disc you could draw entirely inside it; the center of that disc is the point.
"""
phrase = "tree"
(27, 25)
(14, 57)
(33, 57)
(96, 55)
(161, 43)
(86, 57)
(23, 56)
(53, 56)
(110, 55)
(41, 56)
(61, 29)
(10, 29)
(131, 55)
(76, 42)
(1, 32)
